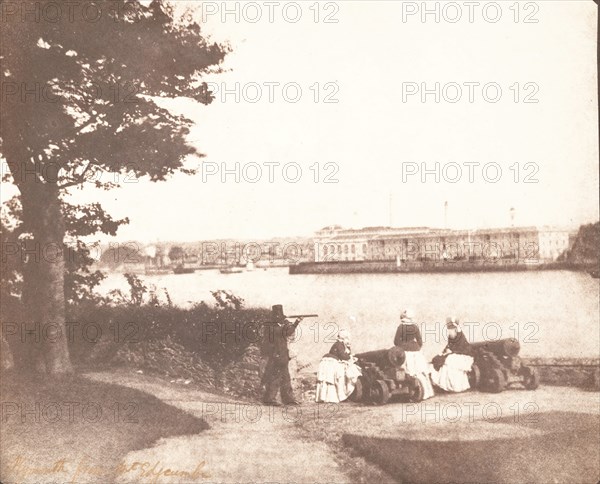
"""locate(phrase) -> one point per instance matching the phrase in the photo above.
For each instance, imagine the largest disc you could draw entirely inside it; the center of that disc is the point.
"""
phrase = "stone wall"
(577, 372)
(377, 266)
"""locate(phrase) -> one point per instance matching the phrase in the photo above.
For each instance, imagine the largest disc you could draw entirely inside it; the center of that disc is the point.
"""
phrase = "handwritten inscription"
(75, 471)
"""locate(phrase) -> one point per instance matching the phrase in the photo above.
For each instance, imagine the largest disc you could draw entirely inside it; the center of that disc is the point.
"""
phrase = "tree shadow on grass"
(83, 422)
(567, 451)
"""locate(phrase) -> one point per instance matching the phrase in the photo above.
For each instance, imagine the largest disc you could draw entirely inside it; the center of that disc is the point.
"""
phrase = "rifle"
(295, 316)
(299, 317)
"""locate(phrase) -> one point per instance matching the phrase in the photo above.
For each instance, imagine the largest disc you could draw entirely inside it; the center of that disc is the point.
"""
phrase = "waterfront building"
(334, 243)
(553, 242)
(519, 244)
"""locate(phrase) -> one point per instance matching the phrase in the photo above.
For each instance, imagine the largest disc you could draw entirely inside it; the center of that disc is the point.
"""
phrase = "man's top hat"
(278, 311)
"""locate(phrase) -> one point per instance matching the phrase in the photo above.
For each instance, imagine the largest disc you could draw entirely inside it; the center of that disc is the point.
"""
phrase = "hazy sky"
(372, 135)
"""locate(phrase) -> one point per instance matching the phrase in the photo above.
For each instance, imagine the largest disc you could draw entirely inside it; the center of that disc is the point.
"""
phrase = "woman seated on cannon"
(451, 368)
(337, 373)
(408, 337)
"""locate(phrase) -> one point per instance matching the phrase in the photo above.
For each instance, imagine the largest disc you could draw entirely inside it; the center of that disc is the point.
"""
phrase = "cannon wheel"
(474, 377)
(417, 392)
(497, 381)
(379, 393)
(357, 394)
(532, 379)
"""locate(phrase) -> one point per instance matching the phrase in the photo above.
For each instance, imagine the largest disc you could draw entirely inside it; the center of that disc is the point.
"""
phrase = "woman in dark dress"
(408, 337)
(454, 362)
(337, 373)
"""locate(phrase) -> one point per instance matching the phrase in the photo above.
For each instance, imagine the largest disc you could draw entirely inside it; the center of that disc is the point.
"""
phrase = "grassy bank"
(564, 453)
(553, 438)
(218, 335)
(214, 348)
(70, 429)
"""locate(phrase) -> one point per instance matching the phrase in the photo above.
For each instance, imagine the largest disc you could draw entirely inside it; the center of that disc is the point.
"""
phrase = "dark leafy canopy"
(78, 101)
(89, 104)
(78, 97)
(585, 247)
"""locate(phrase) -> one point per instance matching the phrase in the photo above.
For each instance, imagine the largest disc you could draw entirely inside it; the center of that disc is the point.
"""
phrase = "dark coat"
(276, 342)
(408, 337)
(459, 345)
(339, 351)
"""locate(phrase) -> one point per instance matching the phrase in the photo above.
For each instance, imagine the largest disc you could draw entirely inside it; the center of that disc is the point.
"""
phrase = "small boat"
(231, 270)
(156, 272)
(183, 270)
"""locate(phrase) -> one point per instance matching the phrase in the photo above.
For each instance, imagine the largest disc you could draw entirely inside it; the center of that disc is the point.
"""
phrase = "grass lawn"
(568, 451)
(70, 428)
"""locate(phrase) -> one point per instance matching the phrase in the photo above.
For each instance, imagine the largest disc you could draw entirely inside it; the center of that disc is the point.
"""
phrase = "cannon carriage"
(497, 366)
(383, 378)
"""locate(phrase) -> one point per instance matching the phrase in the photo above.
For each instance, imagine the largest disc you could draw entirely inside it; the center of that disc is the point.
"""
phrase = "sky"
(362, 156)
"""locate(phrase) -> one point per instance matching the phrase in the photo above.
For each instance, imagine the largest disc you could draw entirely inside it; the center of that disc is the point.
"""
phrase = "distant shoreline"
(391, 266)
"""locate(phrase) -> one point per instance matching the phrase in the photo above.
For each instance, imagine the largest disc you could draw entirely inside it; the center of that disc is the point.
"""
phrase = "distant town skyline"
(315, 234)
(374, 137)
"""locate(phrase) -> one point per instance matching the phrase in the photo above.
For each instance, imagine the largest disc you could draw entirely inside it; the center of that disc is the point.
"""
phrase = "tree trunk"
(43, 282)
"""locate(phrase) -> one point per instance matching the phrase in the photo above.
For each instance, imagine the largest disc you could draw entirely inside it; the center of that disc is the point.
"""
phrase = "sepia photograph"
(299, 242)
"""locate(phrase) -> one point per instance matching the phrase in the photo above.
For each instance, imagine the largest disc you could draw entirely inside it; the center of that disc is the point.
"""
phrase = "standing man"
(277, 374)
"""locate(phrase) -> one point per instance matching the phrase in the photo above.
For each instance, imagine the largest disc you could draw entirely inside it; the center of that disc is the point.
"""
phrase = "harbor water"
(551, 313)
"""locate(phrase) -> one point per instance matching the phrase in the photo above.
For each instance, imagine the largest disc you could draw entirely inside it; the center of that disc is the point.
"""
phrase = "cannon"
(497, 366)
(383, 377)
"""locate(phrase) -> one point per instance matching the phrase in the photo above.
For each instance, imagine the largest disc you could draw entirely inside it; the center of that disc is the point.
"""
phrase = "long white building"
(523, 244)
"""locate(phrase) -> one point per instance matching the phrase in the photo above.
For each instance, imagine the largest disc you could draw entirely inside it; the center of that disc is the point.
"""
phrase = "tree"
(176, 254)
(80, 86)
(585, 246)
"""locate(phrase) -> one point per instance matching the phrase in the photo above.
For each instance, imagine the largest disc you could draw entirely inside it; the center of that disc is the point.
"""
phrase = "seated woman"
(408, 337)
(337, 373)
(451, 368)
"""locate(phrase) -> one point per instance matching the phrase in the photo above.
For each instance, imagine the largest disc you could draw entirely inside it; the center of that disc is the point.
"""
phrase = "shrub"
(218, 335)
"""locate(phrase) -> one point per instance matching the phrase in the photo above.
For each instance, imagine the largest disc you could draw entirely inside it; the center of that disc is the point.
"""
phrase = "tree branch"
(78, 181)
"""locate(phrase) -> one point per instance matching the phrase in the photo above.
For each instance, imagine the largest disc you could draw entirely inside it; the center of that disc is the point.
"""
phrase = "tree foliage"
(95, 84)
(585, 249)
(81, 101)
(176, 254)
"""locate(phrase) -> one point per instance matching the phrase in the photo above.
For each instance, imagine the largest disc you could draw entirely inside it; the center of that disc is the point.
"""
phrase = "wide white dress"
(453, 376)
(336, 379)
(416, 365)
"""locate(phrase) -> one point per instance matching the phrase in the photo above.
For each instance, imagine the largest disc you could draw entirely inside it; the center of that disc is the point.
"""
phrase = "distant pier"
(392, 266)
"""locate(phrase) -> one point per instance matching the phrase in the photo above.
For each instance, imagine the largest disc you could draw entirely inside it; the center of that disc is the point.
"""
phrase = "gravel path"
(396, 442)
(246, 442)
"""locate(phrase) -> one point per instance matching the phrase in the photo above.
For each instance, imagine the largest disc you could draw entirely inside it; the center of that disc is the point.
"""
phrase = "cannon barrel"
(502, 347)
(392, 357)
